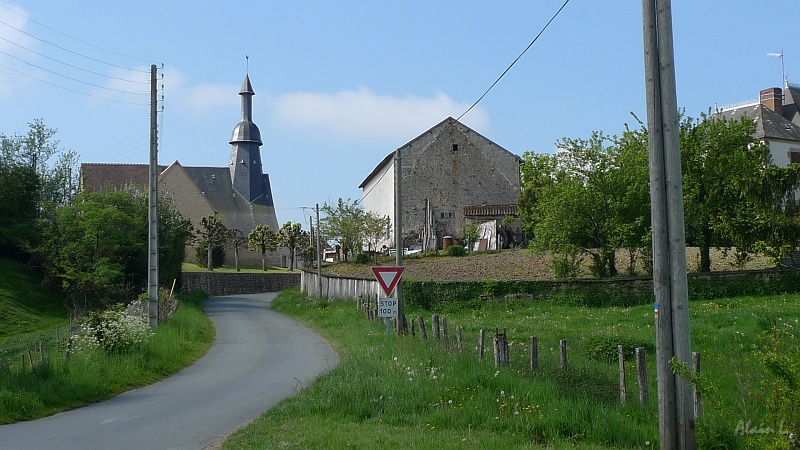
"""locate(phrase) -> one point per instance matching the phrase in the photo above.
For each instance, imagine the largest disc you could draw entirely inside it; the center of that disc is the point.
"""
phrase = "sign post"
(388, 307)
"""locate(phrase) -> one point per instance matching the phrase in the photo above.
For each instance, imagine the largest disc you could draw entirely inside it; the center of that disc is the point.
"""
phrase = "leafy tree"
(375, 228)
(721, 161)
(291, 236)
(211, 234)
(263, 239)
(236, 239)
(470, 233)
(343, 223)
(174, 233)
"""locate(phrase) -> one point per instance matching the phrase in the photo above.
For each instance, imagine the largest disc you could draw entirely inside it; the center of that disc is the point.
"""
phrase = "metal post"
(152, 215)
(398, 233)
(676, 412)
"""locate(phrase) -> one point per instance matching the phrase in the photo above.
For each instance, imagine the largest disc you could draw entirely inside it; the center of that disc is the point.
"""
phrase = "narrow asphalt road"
(259, 358)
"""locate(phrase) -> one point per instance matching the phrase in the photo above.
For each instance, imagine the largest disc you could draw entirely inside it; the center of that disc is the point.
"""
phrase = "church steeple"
(247, 173)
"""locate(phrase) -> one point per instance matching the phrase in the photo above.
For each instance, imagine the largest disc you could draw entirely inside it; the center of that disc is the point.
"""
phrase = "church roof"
(114, 176)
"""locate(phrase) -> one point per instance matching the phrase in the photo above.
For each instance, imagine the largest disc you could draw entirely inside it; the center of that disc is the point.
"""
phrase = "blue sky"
(339, 85)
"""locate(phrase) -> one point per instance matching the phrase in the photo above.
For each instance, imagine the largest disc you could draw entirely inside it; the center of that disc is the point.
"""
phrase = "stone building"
(239, 194)
(447, 172)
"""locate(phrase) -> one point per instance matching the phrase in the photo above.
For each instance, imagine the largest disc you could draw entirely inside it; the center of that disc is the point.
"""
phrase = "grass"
(24, 305)
(391, 392)
(192, 267)
(57, 385)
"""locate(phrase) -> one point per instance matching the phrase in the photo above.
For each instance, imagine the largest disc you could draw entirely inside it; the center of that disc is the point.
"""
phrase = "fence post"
(622, 389)
(459, 341)
(435, 327)
(500, 348)
(698, 396)
(534, 353)
(423, 334)
(69, 348)
(563, 346)
(445, 333)
(641, 370)
(413, 328)
(481, 343)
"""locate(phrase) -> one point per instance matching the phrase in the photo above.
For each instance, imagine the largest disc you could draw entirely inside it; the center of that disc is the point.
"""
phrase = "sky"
(341, 84)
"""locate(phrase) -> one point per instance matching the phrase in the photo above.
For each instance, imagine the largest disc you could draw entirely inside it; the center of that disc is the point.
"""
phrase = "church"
(239, 195)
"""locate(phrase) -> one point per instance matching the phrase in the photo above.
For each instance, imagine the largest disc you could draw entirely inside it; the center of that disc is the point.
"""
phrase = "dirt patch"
(518, 265)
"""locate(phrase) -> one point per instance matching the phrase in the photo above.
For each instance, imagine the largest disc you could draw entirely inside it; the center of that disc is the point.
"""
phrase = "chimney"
(772, 98)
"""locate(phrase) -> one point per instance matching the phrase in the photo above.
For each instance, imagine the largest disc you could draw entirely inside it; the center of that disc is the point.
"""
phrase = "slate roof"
(769, 124)
(100, 176)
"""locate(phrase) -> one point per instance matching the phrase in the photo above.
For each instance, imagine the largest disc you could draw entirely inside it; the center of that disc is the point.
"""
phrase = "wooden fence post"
(621, 358)
(423, 334)
(534, 353)
(641, 370)
(501, 357)
(459, 341)
(698, 396)
(481, 343)
(435, 327)
(413, 330)
(445, 333)
(563, 346)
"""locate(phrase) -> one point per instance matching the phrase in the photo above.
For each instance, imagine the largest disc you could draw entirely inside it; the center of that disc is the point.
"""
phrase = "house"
(239, 195)
(445, 171)
(777, 118)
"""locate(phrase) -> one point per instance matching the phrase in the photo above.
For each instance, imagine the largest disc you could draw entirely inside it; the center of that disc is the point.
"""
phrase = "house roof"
(491, 210)
(99, 176)
(427, 138)
(769, 124)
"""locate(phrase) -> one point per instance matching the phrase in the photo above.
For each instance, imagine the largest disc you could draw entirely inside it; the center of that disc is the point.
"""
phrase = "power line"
(70, 51)
(68, 64)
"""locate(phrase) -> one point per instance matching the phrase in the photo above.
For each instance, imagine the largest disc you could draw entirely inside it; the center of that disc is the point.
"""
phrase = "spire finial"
(247, 63)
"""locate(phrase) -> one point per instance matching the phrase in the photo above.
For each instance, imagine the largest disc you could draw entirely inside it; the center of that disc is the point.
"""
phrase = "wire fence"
(29, 349)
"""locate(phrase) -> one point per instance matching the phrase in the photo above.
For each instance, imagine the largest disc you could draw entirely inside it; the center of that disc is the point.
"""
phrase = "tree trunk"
(264, 260)
(210, 264)
(291, 259)
(236, 257)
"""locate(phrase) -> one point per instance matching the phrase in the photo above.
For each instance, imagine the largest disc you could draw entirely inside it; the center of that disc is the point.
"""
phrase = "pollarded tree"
(236, 239)
(263, 239)
(291, 236)
(211, 235)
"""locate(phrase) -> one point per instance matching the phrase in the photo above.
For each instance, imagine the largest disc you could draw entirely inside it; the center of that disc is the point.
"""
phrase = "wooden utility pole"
(398, 235)
(319, 257)
(152, 214)
(675, 408)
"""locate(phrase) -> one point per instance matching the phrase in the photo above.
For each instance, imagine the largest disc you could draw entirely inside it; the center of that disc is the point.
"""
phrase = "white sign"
(387, 307)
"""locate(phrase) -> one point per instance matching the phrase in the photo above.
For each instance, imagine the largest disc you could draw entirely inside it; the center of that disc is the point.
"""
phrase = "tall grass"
(391, 392)
(56, 384)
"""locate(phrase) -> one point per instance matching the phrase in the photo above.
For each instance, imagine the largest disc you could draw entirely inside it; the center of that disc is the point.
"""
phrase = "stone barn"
(446, 171)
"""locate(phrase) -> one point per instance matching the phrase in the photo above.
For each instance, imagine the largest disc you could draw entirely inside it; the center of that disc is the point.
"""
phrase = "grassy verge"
(57, 385)
(191, 267)
(24, 305)
(391, 392)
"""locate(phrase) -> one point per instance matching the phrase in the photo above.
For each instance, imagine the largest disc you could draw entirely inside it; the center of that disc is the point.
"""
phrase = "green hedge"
(430, 295)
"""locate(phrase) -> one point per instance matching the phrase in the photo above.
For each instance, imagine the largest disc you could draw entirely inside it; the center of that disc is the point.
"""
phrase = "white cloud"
(198, 100)
(364, 115)
(13, 43)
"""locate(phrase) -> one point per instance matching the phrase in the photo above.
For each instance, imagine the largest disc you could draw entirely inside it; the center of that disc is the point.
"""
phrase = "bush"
(604, 348)
(456, 250)
(217, 255)
(362, 258)
(114, 331)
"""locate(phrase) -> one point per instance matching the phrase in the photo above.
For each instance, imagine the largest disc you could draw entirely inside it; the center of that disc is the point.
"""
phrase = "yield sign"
(388, 277)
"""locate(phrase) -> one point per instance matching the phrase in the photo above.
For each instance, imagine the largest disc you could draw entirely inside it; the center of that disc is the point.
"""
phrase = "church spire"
(247, 174)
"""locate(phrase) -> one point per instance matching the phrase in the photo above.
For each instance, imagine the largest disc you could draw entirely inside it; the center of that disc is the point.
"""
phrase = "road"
(259, 358)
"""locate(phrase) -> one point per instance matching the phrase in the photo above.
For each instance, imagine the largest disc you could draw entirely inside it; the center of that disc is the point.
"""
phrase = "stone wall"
(231, 283)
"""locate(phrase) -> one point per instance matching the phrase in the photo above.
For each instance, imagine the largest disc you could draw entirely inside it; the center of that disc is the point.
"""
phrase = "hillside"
(512, 265)
(25, 305)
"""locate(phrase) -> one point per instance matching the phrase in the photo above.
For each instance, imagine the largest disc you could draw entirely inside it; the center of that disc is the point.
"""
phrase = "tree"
(291, 236)
(343, 224)
(470, 233)
(212, 234)
(721, 161)
(375, 229)
(262, 239)
(236, 239)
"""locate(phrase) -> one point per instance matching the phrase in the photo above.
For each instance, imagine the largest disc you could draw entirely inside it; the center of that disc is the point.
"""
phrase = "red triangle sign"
(388, 277)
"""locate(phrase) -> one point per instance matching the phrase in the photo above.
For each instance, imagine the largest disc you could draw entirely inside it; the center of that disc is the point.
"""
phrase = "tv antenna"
(784, 81)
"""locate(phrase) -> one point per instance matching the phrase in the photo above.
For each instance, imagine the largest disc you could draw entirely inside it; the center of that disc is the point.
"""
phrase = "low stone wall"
(231, 283)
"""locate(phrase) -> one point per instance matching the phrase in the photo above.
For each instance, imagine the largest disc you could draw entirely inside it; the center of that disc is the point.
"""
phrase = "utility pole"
(676, 419)
(319, 257)
(152, 214)
(398, 237)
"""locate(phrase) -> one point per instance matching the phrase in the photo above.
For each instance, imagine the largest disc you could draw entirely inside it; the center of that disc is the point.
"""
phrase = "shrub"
(362, 258)
(456, 250)
(566, 265)
(217, 255)
(114, 331)
(604, 348)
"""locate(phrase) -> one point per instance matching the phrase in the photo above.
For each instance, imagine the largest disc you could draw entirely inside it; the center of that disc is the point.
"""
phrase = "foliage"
(456, 250)
(31, 187)
(218, 255)
(567, 264)
(263, 239)
(211, 236)
(375, 229)
(113, 330)
(604, 348)
(362, 258)
(343, 223)
(174, 233)
(236, 239)
(292, 236)
(470, 233)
